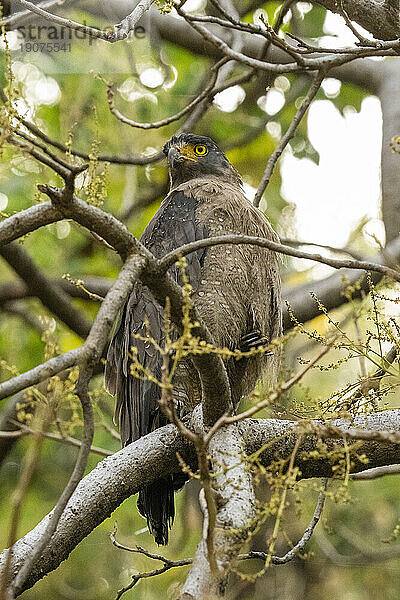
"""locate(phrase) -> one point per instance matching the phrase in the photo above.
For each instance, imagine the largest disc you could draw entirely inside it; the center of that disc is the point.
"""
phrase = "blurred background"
(326, 189)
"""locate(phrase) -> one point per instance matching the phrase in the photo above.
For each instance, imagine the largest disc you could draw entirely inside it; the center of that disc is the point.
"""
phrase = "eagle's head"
(190, 156)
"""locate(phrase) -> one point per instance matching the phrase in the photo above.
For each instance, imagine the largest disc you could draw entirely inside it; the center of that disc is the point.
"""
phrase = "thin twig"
(335, 249)
(108, 36)
(163, 122)
(288, 136)
(281, 560)
(12, 20)
(64, 439)
(17, 500)
(376, 473)
(77, 474)
(169, 259)
(226, 419)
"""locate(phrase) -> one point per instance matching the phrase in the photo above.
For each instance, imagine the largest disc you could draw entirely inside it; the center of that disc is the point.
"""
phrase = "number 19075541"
(45, 47)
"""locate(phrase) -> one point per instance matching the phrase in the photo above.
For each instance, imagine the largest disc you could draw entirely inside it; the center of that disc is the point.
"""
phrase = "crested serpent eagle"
(235, 288)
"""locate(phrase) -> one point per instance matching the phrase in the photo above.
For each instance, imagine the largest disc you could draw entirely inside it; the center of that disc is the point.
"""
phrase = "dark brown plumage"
(236, 290)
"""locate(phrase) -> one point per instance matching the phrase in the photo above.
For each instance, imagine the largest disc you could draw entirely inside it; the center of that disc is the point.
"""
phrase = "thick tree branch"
(153, 456)
(364, 73)
(28, 220)
(376, 16)
(235, 512)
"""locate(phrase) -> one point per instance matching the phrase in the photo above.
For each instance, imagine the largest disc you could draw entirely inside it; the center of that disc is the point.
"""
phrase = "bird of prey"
(235, 289)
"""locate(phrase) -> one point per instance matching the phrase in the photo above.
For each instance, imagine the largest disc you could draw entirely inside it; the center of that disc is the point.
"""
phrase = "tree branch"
(377, 17)
(89, 288)
(291, 130)
(51, 296)
(153, 456)
(44, 371)
(235, 512)
(169, 259)
(330, 291)
(28, 220)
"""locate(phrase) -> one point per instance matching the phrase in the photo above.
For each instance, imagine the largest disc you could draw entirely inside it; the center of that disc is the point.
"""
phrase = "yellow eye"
(200, 150)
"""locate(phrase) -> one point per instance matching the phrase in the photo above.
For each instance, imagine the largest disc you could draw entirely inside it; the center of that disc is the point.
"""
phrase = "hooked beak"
(174, 156)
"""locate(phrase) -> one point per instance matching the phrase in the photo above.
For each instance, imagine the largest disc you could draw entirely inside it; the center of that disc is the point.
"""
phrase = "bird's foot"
(252, 340)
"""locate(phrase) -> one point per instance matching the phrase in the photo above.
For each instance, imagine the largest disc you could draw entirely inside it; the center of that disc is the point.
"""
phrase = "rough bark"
(236, 510)
(121, 475)
(379, 17)
(364, 73)
(389, 93)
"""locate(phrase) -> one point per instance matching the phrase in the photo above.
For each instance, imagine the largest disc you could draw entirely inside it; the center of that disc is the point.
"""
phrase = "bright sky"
(332, 197)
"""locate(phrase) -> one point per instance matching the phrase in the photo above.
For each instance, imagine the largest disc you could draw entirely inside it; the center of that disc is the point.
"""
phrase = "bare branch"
(236, 511)
(287, 136)
(376, 473)
(274, 395)
(168, 564)
(154, 456)
(28, 220)
(362, 73)
(208, 91)
(12, 20)
(40, 373)
(325, 61)
(67, 439)
(169, 259)
(53, 297)
(325, 431)
(90, 31)
(275, 560)
(127, 25)
(64, 170)
(89, 288)
(344, 250)
(281, 560)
